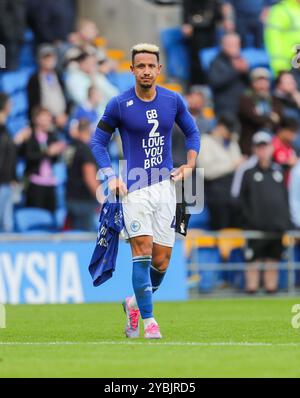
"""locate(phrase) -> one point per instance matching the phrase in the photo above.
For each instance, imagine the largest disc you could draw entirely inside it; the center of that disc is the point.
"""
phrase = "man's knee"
(142, 246)
(161, 261)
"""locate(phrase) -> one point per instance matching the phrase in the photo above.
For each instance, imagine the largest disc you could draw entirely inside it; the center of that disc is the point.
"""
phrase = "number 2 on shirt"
(152, 119)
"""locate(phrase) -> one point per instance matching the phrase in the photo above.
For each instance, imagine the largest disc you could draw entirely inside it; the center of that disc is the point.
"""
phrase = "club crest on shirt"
(135, 226)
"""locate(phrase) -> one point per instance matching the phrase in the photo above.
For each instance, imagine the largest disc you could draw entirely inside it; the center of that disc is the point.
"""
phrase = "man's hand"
(240, 65)
(182, 173)
(187, 30)
(117, 187)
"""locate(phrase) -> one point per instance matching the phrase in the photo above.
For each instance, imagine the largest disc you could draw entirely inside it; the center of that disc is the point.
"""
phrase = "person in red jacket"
(284, 153)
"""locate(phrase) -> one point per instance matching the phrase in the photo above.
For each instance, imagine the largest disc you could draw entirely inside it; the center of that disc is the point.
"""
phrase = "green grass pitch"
(205, 338)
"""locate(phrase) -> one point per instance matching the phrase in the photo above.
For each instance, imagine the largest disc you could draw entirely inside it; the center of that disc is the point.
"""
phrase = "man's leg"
(142, 248)
(252, 275)
(271, 276)
(160, 263)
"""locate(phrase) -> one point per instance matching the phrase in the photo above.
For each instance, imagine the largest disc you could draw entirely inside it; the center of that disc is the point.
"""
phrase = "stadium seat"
(13, 82)
(115, 54)
(17, 123)
(19, 104)
(201, 252)
(207, 55)
(60, 217)
(177, 53)
(27, 56)
(200, 221)
(256, 57)
(60, 172)
(122, 80)
(33, 219)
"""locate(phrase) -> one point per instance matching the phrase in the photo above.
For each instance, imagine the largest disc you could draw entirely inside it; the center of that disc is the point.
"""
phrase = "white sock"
(133, 303)
(148, 322)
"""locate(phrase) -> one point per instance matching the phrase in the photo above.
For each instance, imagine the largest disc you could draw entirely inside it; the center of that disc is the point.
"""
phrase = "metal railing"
(193, 242)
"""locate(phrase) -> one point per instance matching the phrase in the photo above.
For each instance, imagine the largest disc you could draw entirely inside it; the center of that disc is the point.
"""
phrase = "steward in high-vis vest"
(282, 34)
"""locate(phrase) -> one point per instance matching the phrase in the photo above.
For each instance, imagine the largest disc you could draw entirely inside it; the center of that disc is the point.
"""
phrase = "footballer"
(144, 116)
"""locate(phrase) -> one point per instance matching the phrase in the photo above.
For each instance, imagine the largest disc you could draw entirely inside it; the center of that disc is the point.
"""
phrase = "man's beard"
(146, 86)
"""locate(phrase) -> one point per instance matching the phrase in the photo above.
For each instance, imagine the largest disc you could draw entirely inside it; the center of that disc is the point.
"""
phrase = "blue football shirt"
(146, 133)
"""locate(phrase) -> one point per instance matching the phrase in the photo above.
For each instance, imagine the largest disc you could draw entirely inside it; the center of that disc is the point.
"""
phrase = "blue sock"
(156, 278)
(142, 285)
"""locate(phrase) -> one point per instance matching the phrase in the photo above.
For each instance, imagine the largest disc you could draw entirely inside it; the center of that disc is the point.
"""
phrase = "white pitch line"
(145, 344)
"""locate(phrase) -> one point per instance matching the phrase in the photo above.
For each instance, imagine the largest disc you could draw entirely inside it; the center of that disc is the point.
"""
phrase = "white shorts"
(151, 211)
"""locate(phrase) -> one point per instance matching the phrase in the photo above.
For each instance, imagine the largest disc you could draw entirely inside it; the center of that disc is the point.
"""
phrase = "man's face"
(48, 62)
(264, 152)
(44, 121)
(231, 46)
(146, 69)
(288, 83)
(88, 65)
(261, 86)
(288, 135)
(196, 102)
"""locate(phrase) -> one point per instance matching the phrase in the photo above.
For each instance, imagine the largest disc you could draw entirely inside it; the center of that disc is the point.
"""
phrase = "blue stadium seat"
(256, 57)
(177, 53)
(60, 217)
(122, 80)
(13, 82)
(27, 56)
(297, 259)
(19, 104)
(200, 221)
(207, 55)
(208, 278)
(235, 278)
(17, 123)
(32, 219)
(60, 172)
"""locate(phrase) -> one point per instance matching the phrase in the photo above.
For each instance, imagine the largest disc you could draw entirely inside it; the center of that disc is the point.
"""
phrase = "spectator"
(286, 91)
(204, 116)
(294, 195)
(249, 20)
(282, 34)
(83, 75)
(12, 28)
(40, 152)
(228, 75)
(258, 109)
(200, 23)
(199, 107)
(7, 167)
(52, 22)
(284, 153)
(89, 110)
(46, 89)
(264, 204)
(220, 157)
(82, 183)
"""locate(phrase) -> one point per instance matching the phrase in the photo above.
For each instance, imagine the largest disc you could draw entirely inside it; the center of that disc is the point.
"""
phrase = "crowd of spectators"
(249, 118)
(66, 96)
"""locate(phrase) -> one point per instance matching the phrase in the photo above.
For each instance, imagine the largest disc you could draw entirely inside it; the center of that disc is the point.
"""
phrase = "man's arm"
(192, 138)
(99, 144)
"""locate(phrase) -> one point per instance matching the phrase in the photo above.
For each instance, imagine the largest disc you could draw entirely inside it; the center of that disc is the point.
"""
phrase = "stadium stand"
(213, 253)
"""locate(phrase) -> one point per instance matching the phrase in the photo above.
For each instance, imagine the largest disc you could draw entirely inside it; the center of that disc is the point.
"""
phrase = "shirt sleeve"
(188, 125)
(99, 143)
